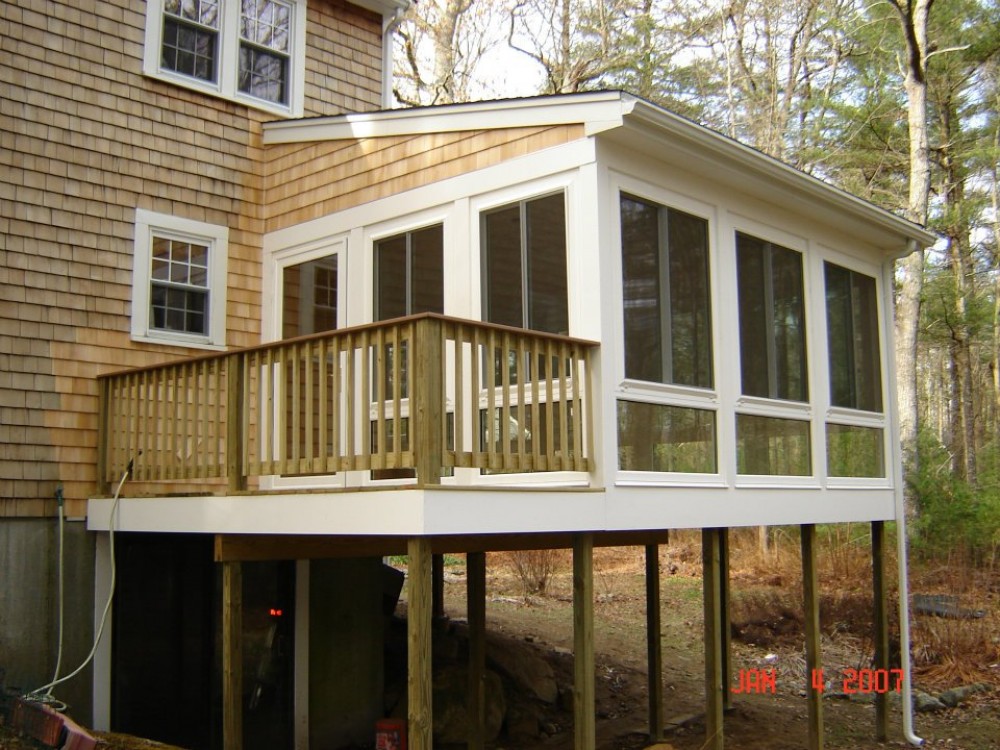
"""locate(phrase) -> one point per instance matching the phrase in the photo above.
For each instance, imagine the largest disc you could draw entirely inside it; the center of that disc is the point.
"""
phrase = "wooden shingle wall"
(85, 139)
(305, 181)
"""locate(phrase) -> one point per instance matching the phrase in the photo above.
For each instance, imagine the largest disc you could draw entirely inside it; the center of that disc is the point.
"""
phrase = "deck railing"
(414, 397)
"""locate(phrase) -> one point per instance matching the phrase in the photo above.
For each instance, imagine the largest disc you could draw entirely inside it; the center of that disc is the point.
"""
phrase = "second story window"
(524, 257)
(251, 50)
(772, 320)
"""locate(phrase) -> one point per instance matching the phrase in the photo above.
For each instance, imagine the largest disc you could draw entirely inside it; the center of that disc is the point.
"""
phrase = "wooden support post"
(235, 470)
(427, 404)
(475, 563)
(654, 652)
(725, 630)
(879, 595)
(232, 656)
(437, 587)
(103, 434)
(418, 628)
(714, 686)
(585, 734)
(810, 588)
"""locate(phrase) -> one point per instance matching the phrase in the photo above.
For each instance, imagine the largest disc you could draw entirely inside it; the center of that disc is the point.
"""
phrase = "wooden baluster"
(550, 407)
(578, 460)
(565, 404)
(536, 424)
(104, 434)
(308, 402)
(235, 406)
(426, 401)
(522, 422)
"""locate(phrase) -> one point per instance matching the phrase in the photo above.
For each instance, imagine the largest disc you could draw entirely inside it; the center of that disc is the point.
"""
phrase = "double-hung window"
(668, 337)
(179, 280)
(854, 442)
(772, 325)
(250, 50)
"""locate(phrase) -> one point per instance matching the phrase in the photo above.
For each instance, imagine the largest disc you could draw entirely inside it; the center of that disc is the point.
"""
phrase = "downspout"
(888, 274)
(389, 25)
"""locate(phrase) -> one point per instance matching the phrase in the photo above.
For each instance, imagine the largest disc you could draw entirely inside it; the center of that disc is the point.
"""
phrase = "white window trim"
(228, 52)
(149, 224)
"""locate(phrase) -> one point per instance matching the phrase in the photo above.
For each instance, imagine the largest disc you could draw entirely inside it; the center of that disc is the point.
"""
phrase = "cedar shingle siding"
(85, 139)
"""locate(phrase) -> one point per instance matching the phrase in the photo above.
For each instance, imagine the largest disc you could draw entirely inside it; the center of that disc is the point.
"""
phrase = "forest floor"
(767, 640)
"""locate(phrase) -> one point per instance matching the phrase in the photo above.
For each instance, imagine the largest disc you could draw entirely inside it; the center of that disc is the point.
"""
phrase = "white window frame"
(228, 51)
(149, 225)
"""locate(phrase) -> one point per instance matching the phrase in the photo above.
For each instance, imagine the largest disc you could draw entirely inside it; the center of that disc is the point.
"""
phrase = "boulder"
(524, 666)
(451, 688)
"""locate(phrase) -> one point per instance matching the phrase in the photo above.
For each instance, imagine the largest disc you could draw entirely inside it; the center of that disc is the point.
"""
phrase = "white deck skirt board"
(460, 510)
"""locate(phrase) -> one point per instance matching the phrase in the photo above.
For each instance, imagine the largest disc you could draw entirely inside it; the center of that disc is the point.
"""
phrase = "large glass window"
(668, 324)
(772, 446)
(524, 255)
(852, 336)
(772, 320)
(309, 297)
(853, 451)
(657, 437)
(409, 273)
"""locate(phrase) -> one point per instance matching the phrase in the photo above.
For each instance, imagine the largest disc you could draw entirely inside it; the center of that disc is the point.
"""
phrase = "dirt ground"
(776, 721)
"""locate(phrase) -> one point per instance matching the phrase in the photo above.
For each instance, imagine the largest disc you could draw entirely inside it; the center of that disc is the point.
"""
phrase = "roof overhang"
(634, 123)
(383, 7)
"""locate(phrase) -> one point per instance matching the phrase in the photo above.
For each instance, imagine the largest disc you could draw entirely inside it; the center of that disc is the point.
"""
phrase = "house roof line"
(598, 112)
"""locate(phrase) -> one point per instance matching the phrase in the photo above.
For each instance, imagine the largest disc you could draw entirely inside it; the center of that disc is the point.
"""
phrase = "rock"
(954, 696)
(525, 667)
(926, 703)
(522, 726)
(451, 687)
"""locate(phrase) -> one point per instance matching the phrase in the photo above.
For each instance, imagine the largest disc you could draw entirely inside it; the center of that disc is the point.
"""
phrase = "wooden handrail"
(420, 395)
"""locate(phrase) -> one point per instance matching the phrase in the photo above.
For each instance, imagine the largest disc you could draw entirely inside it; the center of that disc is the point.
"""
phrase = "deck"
(400, 403)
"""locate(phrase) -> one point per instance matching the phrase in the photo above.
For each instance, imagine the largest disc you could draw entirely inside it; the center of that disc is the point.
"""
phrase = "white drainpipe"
(389, 25)
(888, 274)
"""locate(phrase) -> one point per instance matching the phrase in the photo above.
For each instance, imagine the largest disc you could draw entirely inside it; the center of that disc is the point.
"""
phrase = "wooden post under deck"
(810, 588)
(475, 563)
(724, 621)
(583, 643)
(232, 656)
(654, 652)
(881, 626)
(418, 628)
(714, 737)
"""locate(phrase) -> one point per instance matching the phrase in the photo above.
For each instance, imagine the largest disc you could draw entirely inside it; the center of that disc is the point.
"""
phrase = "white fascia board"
(378, 512)
(680, 131)
(383, 7)
(597, 112)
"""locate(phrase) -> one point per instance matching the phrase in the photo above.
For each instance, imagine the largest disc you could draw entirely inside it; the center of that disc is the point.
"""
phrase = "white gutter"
(888, 271)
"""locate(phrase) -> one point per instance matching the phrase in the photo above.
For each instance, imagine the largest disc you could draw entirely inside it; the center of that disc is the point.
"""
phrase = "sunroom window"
(524, 255)
(772, 320)
(668, 323)
(853, 450)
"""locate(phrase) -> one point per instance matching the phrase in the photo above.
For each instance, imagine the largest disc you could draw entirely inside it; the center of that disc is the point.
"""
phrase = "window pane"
(641, 292)
(188, 50)
(750, 269)
(390, 278)
(789, 324)
(266, 23)
(263, 74)
(772, 320)
(690, 315)
(766, 445)
(502, 232)
(653, 437)
(309, 297)
(852, 336)
(546, 282)
(182, 310)
(854, 451)
(427, 270)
